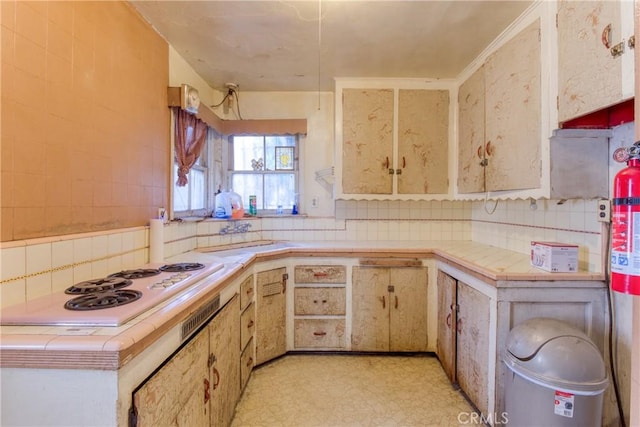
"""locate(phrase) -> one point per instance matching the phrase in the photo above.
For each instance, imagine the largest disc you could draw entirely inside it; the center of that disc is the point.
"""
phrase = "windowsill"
(245, 218)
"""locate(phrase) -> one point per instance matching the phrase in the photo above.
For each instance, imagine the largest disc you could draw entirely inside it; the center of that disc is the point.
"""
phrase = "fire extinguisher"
(625, 228)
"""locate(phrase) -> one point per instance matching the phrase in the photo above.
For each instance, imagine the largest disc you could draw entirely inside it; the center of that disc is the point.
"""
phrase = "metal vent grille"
(199, 317)
(270, 289)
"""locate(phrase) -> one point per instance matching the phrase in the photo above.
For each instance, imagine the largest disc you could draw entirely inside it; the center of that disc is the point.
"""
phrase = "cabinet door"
(408, 309)
(175, 395)
(589, 78)
(370, 320)
(224, 341)
(472, 355)
(471, 143)
(423, 141)
(367, 141)
(513, 115)
(271, 315)
(446, 347)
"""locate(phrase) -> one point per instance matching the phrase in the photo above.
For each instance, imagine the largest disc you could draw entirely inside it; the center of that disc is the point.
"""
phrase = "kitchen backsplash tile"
(513, 225)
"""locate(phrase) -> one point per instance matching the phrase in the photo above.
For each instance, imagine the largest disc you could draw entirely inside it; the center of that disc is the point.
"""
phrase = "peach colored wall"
(84, 118)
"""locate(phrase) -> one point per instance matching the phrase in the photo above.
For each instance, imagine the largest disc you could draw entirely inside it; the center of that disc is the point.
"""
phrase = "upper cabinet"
(392, 139)
(499, 126)
(595, 61)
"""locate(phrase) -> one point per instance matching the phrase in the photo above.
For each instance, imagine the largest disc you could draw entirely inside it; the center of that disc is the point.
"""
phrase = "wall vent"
(199, 317)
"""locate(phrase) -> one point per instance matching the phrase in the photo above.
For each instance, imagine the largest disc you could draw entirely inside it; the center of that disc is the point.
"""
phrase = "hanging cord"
(237, 95)
(229, 93)
(486, 199)
(612, 327)
(319, 48)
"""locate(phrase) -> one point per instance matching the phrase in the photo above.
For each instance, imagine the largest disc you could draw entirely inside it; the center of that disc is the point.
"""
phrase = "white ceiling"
(280, 46)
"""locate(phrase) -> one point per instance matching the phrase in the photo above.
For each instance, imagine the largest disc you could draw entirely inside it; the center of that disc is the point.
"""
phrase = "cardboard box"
(554, 257)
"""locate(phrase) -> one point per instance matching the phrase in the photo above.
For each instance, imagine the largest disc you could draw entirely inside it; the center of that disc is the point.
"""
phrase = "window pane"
(271, 142)
(246, 185)
(279, 189)
(246, 149)
(180, 194)
(197, 184)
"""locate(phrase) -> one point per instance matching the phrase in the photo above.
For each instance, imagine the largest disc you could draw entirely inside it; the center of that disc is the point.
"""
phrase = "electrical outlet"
(314, 202)
(604, 210)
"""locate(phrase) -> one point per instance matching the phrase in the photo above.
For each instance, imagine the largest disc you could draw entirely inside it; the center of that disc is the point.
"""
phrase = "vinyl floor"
(351, 390)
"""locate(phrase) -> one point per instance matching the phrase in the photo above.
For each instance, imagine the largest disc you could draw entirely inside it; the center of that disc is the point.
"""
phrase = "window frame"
(230, 172)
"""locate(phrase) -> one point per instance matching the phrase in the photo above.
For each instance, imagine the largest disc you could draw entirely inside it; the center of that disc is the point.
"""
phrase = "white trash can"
(556, 376)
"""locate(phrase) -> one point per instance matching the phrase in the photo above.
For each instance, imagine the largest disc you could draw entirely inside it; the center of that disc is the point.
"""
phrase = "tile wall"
(31, 268)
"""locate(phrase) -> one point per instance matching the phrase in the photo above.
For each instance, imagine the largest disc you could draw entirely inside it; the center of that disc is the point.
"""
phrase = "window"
(192, 199)
(264, 166)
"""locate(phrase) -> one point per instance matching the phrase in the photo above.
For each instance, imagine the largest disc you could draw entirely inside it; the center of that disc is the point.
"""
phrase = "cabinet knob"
(250, 324)
(249, 362)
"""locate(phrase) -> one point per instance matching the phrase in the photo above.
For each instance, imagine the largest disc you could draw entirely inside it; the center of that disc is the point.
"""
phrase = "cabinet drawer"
(247, 362)
(320, 274)
(247, 291)
(328, 301)
(319, 333)
(247, 325)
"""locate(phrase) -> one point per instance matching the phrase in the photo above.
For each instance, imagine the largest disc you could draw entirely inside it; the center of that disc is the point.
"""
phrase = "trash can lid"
(527, 338)
(556, 355)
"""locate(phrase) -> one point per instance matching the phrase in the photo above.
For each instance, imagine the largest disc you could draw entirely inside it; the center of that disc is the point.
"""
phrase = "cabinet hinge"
(133, 416)
(211, 360)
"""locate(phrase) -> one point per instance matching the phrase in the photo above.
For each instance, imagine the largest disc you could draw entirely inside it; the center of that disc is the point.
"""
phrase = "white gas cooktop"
(86, 308)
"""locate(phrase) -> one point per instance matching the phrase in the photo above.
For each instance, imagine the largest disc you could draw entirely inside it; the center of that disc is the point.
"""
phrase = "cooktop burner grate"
(136, 274)
(98, 285)
(97, 301)
(182, 266)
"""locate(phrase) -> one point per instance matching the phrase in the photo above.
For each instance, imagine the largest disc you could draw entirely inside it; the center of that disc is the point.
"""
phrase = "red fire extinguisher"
(625, 228)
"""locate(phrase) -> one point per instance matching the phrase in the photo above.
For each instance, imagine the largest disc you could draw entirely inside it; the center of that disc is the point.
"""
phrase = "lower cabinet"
(271, 335)
(389, 309)
(463, 337)
(224, 347)
(472, 354)
(200, 384)
(319, 307)
(247, 330)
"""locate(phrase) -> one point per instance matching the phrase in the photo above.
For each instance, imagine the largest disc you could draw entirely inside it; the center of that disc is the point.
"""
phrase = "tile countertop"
(112, 347)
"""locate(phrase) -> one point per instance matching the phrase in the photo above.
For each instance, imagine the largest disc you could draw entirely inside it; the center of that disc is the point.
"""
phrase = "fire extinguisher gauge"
(621, 155)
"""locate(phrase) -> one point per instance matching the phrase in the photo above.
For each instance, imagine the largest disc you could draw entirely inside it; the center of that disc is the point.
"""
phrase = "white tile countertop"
(112, 347)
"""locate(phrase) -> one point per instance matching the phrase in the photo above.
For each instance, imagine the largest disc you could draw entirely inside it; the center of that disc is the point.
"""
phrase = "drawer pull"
(324, 301)
(319, 334)
(396, 302)
(250, 324)
(249, 291)
(449, 320)
(320, 274)
(207, 393)
(250, 362)
(384, 304)
(216, 383)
